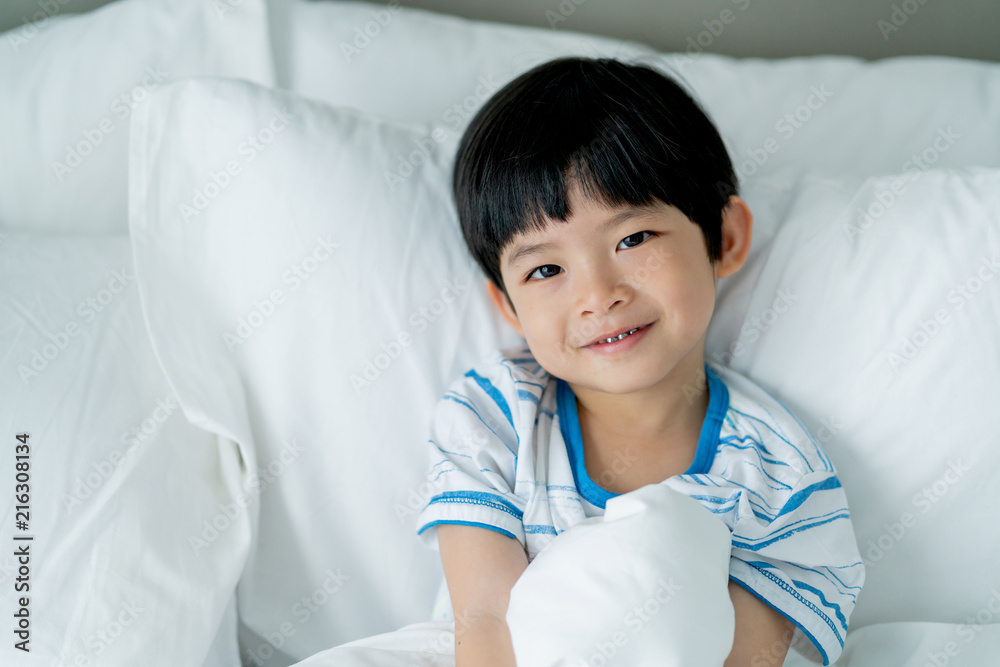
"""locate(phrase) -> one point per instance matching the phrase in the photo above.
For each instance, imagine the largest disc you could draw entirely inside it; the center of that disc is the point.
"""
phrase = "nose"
(600, 290)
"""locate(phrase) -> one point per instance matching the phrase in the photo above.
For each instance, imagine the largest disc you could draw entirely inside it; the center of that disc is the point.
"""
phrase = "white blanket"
(618, 590)
(644, 585)
(431, 644)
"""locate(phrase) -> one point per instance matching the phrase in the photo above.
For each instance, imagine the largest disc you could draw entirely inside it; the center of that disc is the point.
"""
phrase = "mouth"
(615, 336)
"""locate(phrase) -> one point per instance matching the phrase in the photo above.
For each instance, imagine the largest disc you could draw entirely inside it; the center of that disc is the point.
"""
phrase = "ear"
(499, 299)
(737, 232)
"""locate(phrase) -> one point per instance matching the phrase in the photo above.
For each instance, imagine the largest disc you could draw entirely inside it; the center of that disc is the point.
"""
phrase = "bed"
(232, 288)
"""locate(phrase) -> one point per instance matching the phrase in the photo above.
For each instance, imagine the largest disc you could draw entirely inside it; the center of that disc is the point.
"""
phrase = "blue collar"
(708, 441)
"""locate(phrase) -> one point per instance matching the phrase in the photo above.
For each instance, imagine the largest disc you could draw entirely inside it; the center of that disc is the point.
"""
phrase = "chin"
(614, 382)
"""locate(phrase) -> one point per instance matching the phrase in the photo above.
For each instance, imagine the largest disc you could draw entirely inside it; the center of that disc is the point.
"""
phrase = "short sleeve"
(473, 449)
(799, 555)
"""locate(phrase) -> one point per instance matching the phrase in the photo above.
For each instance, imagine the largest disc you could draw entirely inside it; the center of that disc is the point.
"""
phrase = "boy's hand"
(481, 566)
(762, 634)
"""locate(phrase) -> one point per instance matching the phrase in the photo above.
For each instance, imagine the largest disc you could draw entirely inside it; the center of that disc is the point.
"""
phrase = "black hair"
(627, 133)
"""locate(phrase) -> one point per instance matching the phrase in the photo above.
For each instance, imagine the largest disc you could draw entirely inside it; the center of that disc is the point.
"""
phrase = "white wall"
(762, 28)
(765, 28)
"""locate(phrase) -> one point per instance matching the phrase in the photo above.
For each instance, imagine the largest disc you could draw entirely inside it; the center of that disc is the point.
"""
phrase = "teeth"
(618, 337)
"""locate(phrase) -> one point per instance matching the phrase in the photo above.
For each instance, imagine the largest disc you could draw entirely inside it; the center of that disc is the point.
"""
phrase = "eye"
(543, 272)
(635, 239)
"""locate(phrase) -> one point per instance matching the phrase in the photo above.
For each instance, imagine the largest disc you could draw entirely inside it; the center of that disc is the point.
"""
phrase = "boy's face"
(606, 270)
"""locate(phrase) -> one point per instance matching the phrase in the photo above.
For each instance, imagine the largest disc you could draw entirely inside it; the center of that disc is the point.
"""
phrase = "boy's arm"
(480, 566)
(762, 634)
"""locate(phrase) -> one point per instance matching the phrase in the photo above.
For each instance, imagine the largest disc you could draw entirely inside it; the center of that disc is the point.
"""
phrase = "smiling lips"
(620, 334)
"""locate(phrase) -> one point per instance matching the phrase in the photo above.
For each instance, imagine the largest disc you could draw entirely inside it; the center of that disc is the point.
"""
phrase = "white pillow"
(645, 585)
(872, 314)
(839, 115)
(120, 484)
(416, 64)
(846, 117)
(69, 85)
(302, 295)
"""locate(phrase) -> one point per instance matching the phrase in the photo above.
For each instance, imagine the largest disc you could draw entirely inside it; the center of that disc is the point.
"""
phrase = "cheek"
(691, 296)
(534, 320)
(546, 332)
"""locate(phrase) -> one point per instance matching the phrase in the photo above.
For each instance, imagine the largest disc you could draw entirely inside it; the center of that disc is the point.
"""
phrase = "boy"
(600, 201)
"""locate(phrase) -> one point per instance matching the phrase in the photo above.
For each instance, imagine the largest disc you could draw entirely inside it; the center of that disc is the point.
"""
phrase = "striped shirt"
(506, 454)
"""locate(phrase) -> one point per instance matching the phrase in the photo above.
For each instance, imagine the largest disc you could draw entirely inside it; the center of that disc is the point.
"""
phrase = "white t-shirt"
(507, 455)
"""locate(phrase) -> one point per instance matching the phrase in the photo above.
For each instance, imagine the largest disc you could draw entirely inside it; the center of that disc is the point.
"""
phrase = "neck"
(668, 412)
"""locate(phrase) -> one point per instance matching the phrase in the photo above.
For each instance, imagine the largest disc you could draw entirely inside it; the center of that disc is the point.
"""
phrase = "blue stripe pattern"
(755, 467)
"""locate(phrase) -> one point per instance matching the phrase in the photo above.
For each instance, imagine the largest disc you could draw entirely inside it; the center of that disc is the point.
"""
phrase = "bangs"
(626, 134)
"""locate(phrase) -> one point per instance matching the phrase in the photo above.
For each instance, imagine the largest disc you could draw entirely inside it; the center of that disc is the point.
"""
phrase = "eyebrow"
(527, 250)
